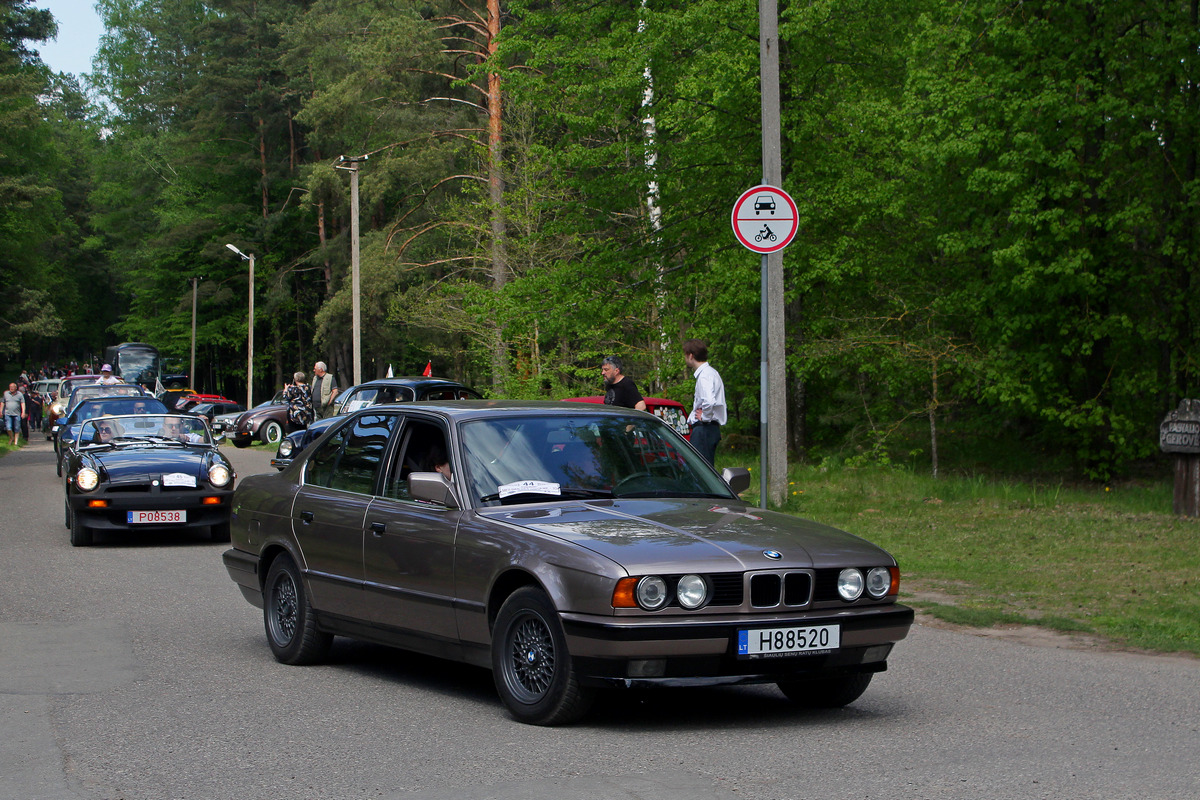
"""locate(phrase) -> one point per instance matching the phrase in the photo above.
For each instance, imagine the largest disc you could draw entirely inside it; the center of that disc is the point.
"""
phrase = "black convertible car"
(147, 472)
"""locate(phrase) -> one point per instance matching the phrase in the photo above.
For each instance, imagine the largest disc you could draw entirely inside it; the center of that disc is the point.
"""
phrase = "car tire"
(67, 509)
(220, 533)
(81, 535)
(58, 465)
(531, 666)
(271, 433)
(833, 691)
(288, 616)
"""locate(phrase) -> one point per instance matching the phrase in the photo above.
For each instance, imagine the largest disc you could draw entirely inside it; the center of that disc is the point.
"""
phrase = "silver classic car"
(566, 548)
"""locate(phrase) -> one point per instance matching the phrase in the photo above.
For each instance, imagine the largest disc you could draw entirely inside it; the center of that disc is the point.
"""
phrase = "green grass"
(1111, 561)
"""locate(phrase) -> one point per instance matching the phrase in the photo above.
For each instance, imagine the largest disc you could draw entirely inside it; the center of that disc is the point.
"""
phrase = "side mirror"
(432, 487)
(738, 478)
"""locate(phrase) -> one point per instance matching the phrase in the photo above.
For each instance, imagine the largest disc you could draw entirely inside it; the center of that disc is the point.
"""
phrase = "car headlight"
(57, 409)
(651, 592)
(879, 582)
(285, 448)
(87, 479)
(219, 475)
(850, 584)
(691, 591)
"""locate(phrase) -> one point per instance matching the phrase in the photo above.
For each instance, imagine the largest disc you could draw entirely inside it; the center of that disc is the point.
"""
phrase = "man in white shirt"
(708, 406)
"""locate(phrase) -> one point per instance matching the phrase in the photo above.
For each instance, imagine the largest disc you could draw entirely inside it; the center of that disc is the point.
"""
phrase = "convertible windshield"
(144, 428)
(540, 458)
(88, 392)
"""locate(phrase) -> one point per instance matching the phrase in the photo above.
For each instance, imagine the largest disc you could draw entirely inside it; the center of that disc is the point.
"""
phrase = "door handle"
(307, 516)
(378, 528)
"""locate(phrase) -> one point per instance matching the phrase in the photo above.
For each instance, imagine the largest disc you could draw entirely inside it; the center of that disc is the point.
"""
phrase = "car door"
(328, 514)
(409, 547)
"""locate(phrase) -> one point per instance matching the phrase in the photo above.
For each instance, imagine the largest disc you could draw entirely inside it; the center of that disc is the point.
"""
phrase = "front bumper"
(636, 651)
(114, 516)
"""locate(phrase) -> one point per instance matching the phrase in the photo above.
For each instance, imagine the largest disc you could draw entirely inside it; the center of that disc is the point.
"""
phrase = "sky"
(79, 30)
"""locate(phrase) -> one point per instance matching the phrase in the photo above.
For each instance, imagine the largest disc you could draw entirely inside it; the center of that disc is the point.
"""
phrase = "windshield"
(81, 393)
(539, 458)
(137, 365)
(94, 407)
(375, 395)
(140, 429)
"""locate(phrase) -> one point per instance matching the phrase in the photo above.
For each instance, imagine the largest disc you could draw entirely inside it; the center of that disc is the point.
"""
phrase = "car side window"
(351, 459)
(421, 445)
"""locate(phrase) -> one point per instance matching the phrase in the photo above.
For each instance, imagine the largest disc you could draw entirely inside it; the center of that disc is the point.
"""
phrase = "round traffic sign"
(764, 219)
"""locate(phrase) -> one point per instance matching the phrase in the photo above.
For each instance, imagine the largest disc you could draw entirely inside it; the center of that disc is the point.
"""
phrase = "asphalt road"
(134, 669)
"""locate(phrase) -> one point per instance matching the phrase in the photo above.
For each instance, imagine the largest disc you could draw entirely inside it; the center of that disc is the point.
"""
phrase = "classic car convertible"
(149, 473)
(565, 547)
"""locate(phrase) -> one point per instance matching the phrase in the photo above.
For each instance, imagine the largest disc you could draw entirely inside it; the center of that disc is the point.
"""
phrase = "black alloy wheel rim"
(283, 609)
(531, 658)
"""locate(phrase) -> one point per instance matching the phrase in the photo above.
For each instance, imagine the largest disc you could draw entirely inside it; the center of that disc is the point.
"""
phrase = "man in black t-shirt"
(619, 390)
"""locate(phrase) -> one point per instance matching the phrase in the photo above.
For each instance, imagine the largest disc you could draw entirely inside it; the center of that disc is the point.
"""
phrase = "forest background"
(998, 205)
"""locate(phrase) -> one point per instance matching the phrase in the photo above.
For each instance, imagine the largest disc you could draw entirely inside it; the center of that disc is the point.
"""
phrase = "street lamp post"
(249, 331)
(351, 165)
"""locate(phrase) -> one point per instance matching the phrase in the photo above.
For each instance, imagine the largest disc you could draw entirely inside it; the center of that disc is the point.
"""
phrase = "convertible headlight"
(87, 479)
(651, 593)
(879, 582)
(285, 448)
(57, 408)
(218, 475)
(850, 584)
(691, 591)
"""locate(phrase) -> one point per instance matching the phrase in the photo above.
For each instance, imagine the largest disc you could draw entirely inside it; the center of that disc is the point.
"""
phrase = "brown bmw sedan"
(567, 549)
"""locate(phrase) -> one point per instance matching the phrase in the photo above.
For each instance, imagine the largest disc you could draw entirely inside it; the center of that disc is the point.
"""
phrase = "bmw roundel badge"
(774, 555)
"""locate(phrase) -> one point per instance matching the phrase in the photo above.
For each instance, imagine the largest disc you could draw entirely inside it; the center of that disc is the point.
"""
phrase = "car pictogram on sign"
(764, 202)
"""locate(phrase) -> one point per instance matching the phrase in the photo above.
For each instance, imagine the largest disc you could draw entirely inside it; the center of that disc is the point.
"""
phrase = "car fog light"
(850, 584)
(879, 582)
(87, 479)
(691, 591)
(652, 593)
(218, 475)
(647, 668)
(285, 448)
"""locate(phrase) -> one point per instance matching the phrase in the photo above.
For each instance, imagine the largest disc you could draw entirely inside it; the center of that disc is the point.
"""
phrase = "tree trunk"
(496, 192)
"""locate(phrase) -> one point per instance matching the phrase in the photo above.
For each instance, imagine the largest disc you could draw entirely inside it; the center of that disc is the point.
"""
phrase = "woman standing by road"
(299, 400)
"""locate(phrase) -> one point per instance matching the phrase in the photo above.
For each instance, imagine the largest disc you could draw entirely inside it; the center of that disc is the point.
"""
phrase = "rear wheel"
(81, 535)
(833, 691)
(530, 663)
(291, 628)
(271, 432)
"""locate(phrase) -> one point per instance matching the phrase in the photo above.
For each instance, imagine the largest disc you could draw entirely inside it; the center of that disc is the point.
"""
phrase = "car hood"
(134, 463)
(704, 535)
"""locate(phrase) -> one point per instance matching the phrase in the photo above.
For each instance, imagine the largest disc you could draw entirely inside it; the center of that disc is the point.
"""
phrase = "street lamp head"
(239, 252)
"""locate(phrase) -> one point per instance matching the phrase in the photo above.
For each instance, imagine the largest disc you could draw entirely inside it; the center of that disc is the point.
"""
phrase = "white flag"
(390, 375)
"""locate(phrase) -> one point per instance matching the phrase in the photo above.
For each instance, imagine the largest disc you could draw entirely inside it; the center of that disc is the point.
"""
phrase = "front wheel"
(271, 433)
(81, 535)
(834, 691)
(220, 533)
(291, 629)
(530, 663)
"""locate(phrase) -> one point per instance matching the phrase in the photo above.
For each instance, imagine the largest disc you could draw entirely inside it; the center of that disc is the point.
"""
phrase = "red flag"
(428, 370)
